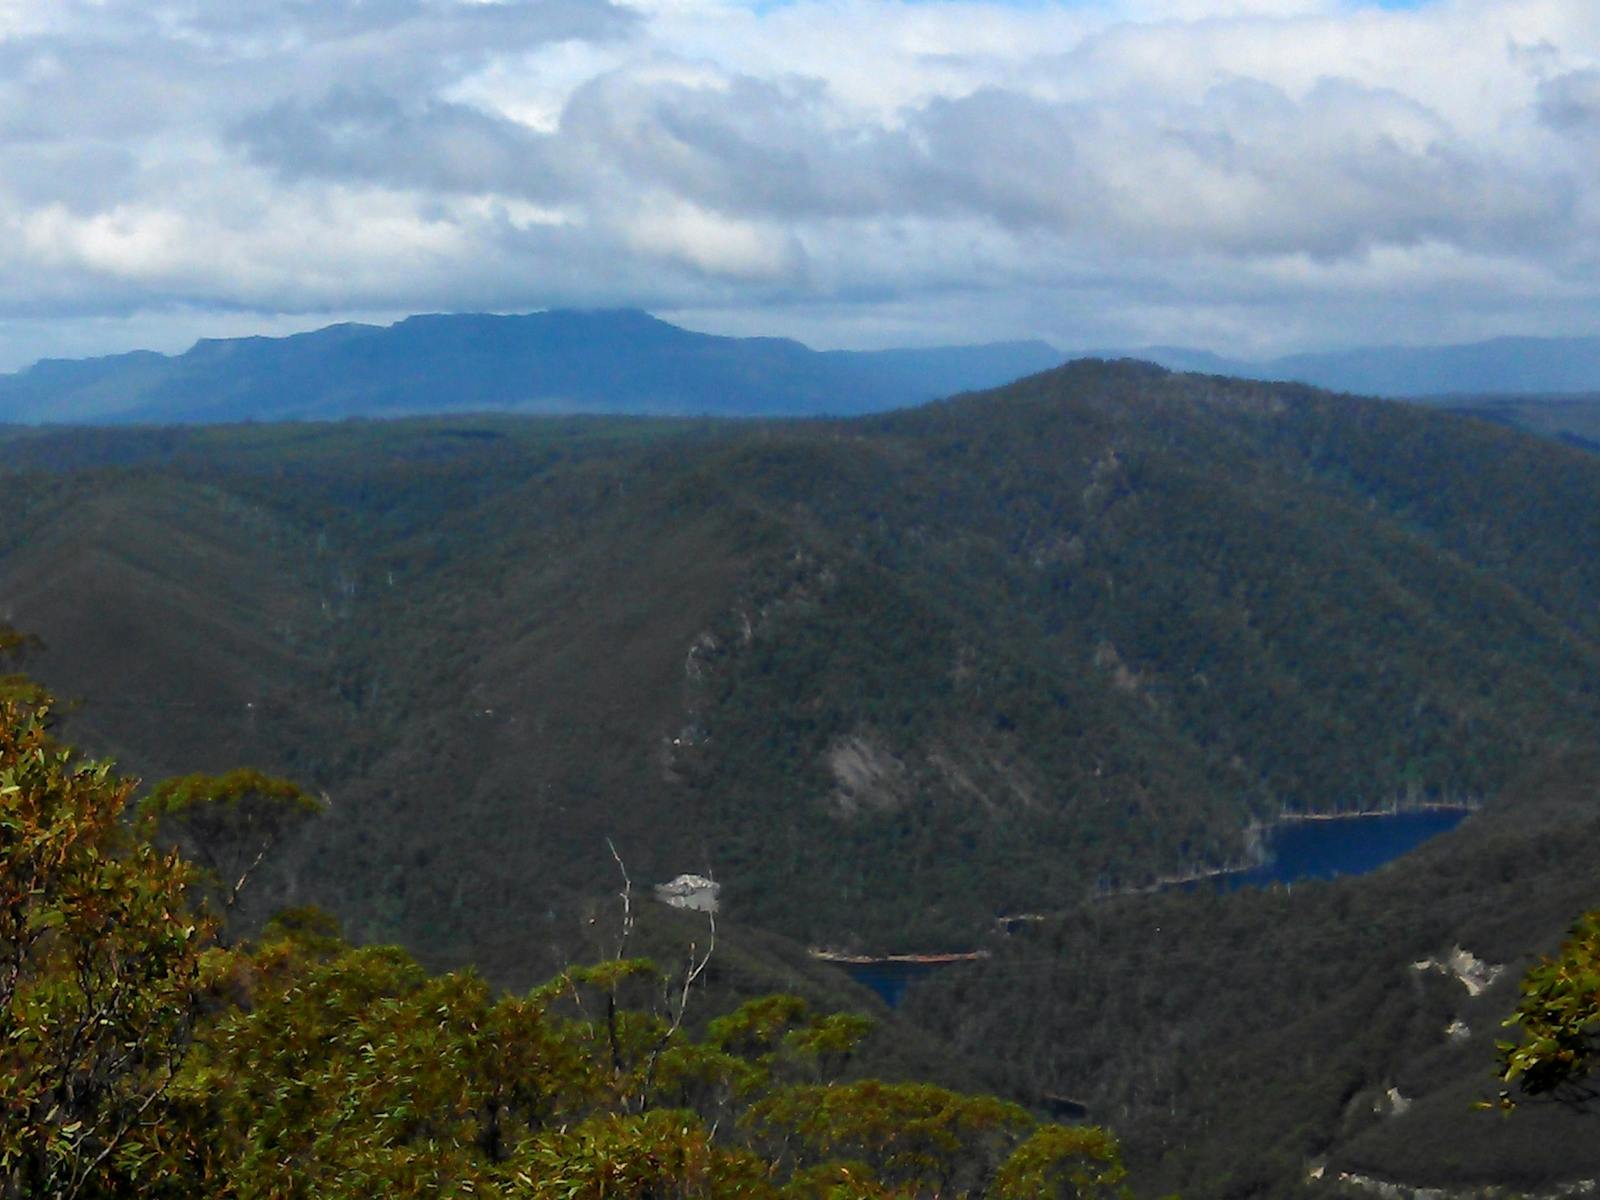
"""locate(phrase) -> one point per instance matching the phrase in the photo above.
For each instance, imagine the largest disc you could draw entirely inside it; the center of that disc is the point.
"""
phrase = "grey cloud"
(131, 69)
(367, 135)
(318, 19)
(211, 141)
(1571, 102)
(68, 89)
(418, 46)
(82, 177)
(1346, 168)
(92, 112)
(1248, 170)
(776, 150)
(1008, 155)
(455, 31)
(741, 145)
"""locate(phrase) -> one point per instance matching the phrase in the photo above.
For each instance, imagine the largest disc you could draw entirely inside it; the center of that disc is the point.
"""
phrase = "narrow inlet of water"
(1298, 849)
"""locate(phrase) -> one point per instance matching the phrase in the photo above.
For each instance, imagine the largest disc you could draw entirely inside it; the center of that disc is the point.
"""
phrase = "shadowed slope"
(885, 678)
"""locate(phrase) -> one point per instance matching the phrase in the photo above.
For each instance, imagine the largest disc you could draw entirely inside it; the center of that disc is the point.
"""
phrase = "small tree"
(227, 823)
(1560, 1019)
(14, 647)
(99, 968)
(1073, 1162)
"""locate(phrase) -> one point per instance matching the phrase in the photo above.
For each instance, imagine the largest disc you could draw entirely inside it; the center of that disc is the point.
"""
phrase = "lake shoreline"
(1258, 833)
(1461, 806)
(1284, 851)
(871, 960)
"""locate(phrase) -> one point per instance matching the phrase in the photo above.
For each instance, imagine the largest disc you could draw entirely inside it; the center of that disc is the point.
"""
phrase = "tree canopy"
(139, 1056)
(100, 967)
(229, 823)
(1559, 1015)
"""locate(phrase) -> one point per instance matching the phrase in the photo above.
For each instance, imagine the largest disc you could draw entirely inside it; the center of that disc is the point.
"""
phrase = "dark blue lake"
(1299, 850)
(1296, 850)
(889, 979)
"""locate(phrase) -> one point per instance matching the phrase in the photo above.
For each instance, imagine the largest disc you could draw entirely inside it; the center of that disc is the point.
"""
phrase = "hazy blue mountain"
(618, 361)
(1508, 365)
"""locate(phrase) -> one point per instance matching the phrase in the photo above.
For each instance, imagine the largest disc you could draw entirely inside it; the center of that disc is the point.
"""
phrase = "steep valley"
(888, 679)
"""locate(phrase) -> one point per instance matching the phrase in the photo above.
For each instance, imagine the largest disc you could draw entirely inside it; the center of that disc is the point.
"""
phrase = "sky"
(1248, 176)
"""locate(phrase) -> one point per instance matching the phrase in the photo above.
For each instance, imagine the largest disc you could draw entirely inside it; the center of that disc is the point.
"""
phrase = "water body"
(1327, 849)
(890, 979)
(1296, 851)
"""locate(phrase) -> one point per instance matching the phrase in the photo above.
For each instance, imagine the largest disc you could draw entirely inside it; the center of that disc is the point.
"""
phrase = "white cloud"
(1258, 174)
(670, 228)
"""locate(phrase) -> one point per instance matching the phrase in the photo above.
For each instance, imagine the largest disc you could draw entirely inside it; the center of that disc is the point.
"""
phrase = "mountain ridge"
(1502, 366)
(560, 361)
(1068, 636)
(628, 362)
(886, 679)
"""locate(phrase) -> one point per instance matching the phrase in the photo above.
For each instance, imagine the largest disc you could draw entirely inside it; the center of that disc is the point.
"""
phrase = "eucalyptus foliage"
(142, 1057)
(1559, 1015)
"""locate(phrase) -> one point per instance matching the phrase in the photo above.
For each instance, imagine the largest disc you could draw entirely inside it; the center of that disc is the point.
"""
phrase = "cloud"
(1263, 174)
(1570, 102)
(368, 136)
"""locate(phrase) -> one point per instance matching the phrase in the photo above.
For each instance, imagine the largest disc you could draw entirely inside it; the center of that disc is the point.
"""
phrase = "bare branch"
(627, 901)
(693, 972)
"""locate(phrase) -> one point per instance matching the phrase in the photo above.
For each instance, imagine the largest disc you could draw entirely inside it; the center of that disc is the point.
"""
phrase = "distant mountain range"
(623, 361)
(1503, 366)
(616, 361)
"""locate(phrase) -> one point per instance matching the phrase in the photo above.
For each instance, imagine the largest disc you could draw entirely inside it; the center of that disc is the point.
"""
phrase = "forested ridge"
(888, 679)
(1017, 648)
(1243, 1039)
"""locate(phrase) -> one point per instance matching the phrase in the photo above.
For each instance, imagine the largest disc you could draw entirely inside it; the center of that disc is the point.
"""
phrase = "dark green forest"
(1023, 648)
(146, 1051)
(1241, 1039)
(888, 680)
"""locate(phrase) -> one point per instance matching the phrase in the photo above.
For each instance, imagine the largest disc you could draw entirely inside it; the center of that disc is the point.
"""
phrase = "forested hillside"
(1573, 419)
(147, 1051)
(1244, 1040)
(884, 678)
